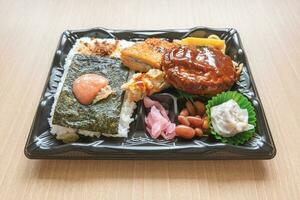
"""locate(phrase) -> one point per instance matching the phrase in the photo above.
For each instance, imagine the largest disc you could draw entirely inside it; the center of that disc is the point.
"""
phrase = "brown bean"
(184, 112)
(198, 132)
(200, 107)
(205, 123)
(195, 121)
(183, 120)
(184, 132)
(189, 105)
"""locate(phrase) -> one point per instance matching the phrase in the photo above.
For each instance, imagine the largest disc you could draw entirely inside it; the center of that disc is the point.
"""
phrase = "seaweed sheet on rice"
(102, 116)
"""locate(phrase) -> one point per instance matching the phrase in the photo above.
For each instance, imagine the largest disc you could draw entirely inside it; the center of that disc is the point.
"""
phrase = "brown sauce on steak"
(205, 71)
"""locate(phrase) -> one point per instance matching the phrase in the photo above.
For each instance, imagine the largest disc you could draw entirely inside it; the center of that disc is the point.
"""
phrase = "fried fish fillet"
(146, 55)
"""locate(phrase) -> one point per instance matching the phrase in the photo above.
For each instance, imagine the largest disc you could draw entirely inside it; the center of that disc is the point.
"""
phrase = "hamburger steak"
(204, 71)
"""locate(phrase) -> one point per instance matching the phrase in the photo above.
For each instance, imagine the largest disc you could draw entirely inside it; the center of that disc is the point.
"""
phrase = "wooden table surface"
(29, 32)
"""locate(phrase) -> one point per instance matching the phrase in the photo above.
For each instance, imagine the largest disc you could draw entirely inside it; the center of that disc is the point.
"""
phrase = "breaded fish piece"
(146, 55)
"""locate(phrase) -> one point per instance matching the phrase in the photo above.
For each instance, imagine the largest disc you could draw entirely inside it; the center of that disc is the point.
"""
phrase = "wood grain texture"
(29, 32)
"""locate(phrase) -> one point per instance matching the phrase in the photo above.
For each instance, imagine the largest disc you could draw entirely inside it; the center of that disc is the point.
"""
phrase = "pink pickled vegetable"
(157, 121)
(149, 103)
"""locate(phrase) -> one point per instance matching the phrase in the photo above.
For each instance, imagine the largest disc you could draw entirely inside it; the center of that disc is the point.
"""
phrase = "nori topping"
(102, 116)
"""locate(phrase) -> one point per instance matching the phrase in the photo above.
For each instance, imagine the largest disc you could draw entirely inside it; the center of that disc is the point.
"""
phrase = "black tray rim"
(151, 155)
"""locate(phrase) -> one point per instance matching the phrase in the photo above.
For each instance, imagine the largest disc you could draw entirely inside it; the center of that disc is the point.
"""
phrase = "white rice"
(127, 106)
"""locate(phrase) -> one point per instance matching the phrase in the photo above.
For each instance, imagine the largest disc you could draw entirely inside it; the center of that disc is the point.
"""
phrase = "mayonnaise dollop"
(228, 119)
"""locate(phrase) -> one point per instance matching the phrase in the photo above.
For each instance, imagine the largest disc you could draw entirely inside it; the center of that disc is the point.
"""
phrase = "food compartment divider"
(43, 145)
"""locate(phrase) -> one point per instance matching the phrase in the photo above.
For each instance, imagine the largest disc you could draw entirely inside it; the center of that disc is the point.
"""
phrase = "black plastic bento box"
(41, 144)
